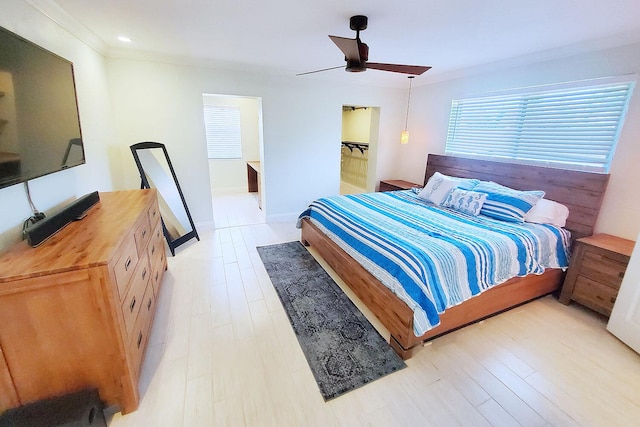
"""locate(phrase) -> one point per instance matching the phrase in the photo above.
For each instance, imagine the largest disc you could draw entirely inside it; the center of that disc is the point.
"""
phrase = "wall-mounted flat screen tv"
(39, 121)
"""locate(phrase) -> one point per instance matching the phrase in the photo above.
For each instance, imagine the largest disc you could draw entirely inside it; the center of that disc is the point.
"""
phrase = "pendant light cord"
(406, 121)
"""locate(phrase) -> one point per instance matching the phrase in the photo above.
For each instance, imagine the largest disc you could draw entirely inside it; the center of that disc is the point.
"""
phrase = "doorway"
(234, 144)
(359, 148)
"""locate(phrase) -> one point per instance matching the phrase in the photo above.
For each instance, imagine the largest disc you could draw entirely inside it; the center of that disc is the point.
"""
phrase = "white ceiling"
(290, 36)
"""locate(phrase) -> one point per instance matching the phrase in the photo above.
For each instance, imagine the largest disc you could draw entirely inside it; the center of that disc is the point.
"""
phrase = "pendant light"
(404, 136)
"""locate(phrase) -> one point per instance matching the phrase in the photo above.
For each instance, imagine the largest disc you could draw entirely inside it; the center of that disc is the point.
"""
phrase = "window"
(222, 126)
(575, 127)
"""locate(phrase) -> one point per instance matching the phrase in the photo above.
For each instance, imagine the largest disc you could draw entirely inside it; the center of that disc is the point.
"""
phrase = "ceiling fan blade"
(317, 71)
(415, 70)
(348, 46)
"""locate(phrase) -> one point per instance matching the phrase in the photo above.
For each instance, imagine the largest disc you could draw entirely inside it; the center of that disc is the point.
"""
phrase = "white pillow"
(438, 188)
(548, 212)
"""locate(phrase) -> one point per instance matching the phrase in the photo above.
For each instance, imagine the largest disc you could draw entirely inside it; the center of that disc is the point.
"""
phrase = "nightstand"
(396, 184)
(595, 272)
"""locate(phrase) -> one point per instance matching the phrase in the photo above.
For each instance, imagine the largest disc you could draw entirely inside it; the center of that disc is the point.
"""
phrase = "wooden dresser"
(76, 311)
(595, 272)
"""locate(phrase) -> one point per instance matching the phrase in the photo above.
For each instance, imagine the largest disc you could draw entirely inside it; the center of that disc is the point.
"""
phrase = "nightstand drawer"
(602, 268)
(594, 295)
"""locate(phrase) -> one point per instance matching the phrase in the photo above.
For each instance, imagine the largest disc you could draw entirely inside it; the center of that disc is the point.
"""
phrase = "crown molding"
(61, 17)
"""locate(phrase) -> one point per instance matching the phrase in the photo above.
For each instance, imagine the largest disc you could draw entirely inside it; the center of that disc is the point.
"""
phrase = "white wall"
(356, 125)
(429, 115)
(231, 174)
(51, 192)
(302, 121)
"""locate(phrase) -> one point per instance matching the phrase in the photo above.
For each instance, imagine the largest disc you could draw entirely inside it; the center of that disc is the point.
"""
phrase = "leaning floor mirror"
(157, 172)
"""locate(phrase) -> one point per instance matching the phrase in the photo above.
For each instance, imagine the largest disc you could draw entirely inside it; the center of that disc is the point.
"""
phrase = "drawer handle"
(153, 249)
(127, 264)
(157, 274)
(149, 304)
(144, 273)
(154, 213)
(144, 232)
(133, 304)
(139, 339)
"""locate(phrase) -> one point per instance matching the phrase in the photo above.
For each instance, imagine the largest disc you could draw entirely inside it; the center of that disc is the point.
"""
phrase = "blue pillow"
(469, 202)
(505, 203)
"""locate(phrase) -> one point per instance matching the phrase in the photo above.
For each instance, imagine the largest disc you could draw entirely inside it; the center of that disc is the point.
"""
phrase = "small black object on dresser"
(80, 409)
(42, 230)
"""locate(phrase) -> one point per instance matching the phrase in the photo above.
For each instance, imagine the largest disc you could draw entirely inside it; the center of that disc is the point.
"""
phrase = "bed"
(582, 192)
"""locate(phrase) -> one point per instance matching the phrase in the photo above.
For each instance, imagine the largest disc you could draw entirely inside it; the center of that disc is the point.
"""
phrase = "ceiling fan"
(356, 53)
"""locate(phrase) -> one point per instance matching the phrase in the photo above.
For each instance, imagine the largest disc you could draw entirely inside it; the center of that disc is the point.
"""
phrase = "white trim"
(57, 14)
(625, 78)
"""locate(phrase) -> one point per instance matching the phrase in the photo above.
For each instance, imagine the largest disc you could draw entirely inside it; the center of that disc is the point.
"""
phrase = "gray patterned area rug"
(343, 349)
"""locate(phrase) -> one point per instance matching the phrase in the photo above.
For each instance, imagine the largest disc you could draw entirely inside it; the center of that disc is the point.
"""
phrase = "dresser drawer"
(154, 215)
(156, 250)
(157, 255)
(142, 233)
(134, 297)
(125, 266)
(141, 328)
(594, 295)
(600, 267)
(156, 275)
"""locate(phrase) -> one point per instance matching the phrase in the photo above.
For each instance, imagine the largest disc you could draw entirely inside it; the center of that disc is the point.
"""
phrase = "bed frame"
(581, 192)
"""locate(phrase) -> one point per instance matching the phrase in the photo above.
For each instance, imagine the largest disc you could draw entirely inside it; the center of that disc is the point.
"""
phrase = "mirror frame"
(144, 183)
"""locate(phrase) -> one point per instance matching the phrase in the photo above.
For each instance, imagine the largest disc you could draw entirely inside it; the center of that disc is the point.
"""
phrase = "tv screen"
(39, 122)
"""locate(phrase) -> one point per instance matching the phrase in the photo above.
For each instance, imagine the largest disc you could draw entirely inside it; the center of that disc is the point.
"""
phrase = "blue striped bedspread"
(431, 257)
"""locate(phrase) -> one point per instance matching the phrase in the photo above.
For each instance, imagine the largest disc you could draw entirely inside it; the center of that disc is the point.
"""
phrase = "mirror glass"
(157, 172)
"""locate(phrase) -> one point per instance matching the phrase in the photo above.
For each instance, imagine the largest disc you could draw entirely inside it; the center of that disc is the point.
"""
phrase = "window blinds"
(576, 128)
(222, 127)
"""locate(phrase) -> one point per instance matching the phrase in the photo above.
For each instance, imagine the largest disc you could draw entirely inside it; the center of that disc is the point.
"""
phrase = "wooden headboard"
(581, 192)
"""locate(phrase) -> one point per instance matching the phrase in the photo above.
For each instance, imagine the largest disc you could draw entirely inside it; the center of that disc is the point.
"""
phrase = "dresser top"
(610, 243)
(89, 242)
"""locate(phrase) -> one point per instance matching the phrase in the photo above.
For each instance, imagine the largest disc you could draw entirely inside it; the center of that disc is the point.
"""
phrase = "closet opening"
(359, 148)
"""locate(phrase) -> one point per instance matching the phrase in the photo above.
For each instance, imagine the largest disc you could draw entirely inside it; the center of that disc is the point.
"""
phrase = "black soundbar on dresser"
(42, 230)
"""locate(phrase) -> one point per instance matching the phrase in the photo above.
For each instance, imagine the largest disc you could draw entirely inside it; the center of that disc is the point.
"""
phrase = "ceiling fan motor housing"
(361, 65)
(356, 66)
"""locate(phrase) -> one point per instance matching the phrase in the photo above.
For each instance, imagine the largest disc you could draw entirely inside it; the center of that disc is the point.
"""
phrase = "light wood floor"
(222, 353)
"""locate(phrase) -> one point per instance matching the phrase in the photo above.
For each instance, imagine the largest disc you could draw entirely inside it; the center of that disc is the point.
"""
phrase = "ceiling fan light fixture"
(404, 137)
